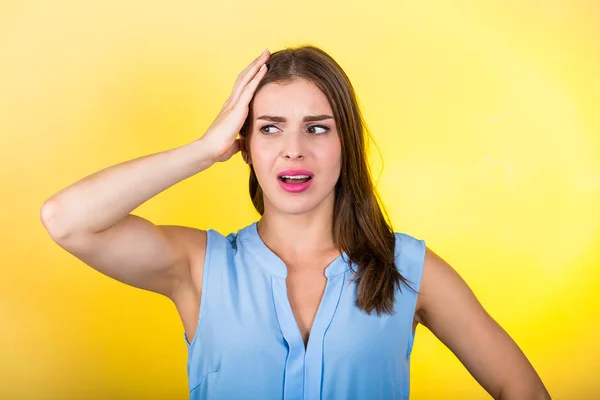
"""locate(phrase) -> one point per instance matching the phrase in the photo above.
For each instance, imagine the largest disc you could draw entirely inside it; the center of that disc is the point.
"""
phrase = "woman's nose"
(293, 155)
(293, 146)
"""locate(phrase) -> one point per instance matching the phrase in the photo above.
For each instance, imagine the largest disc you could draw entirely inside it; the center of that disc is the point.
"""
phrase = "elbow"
(53, 221)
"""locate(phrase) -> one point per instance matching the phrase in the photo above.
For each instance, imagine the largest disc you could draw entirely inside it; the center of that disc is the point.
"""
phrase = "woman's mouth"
(295, 181)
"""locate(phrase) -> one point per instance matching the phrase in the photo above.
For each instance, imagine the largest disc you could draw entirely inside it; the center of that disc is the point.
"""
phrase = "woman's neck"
(297, 237)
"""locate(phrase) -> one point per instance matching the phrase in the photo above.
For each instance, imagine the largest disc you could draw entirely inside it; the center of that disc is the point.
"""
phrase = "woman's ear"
(245, 151)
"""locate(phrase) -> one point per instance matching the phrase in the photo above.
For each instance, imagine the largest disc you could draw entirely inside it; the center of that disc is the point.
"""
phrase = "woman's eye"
(312, 127)
(262, 129)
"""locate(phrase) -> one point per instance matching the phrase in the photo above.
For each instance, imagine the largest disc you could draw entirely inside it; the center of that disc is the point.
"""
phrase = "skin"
(92, 220)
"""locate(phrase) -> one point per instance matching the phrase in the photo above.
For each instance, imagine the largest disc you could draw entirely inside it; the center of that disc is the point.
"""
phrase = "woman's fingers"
(221, 135)
(250, 88)
(246, 76)
(256, 61)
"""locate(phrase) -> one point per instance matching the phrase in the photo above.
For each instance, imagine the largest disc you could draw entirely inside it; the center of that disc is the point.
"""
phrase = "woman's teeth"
(295, 178)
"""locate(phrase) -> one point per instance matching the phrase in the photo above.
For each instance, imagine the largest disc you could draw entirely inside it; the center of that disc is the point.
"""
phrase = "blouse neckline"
(251, 239)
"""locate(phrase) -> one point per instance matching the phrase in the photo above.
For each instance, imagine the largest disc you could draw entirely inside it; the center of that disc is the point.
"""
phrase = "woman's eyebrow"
(308, 118)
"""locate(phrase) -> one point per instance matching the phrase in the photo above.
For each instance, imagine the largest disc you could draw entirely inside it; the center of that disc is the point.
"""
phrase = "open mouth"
(295, 179)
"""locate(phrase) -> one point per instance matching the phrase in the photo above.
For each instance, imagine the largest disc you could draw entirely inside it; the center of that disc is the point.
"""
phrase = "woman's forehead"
(294, 99)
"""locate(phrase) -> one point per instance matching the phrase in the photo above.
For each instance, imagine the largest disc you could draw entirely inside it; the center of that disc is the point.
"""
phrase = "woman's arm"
(92, 219)
(448, 307)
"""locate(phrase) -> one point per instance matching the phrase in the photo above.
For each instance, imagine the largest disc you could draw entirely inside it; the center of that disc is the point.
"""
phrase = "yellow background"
(486, 115)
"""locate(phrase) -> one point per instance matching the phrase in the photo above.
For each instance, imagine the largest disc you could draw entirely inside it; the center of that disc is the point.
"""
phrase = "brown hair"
(360, 226)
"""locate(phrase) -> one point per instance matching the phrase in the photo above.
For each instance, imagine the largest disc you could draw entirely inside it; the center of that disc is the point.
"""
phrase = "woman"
(318, 299)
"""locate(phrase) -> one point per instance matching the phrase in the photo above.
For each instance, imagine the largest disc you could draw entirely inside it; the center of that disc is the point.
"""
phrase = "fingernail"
(265, 52)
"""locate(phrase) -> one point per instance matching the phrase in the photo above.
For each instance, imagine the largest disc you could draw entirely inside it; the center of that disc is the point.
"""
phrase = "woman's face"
(294, 147)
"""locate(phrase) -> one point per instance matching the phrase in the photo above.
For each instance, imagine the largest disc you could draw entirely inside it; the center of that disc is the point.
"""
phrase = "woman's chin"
(287, 204)
(295, 208)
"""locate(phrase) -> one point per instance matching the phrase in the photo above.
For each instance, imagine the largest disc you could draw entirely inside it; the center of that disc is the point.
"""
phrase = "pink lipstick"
(295, 180)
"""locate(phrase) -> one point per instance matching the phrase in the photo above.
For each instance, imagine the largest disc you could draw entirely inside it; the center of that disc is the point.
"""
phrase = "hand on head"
(220, 138)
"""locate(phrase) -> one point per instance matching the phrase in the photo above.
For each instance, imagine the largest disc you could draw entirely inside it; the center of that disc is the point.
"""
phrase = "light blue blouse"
(248, 345)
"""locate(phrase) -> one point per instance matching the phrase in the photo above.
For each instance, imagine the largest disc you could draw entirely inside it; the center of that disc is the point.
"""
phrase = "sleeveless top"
(248, 345)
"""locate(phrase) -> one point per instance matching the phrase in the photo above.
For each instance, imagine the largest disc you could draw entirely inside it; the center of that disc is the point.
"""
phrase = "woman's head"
(301, 83)
(305, 82)
(293, 132)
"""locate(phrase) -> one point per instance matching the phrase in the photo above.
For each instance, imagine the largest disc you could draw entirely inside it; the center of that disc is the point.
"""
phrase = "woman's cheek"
(260, 160)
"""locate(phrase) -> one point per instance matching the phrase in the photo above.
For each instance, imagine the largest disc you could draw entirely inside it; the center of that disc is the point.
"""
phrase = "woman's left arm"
(447, 306)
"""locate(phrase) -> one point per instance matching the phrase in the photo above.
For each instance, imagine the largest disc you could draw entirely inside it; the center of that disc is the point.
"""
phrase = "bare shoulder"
(437, 273)
(186, 298)
(193, 242)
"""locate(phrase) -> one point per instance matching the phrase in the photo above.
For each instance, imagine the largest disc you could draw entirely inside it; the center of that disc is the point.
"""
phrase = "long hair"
(360, 227)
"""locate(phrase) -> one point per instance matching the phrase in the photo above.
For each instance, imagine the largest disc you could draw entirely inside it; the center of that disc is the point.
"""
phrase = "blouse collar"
(252, 241)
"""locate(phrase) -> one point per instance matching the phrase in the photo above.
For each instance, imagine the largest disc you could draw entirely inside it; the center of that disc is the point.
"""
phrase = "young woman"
(320, 298)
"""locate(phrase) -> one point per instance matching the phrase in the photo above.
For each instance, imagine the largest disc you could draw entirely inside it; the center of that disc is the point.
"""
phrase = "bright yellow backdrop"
(486, 114)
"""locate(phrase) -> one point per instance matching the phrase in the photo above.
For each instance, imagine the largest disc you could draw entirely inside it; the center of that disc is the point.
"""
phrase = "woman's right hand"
(220, 138)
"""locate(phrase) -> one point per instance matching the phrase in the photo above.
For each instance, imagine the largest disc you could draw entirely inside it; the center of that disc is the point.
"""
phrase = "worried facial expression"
(294, 146)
